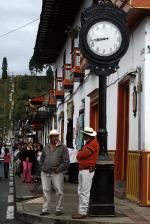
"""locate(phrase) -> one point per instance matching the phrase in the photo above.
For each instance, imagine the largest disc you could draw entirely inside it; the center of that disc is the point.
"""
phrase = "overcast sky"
(18, 46)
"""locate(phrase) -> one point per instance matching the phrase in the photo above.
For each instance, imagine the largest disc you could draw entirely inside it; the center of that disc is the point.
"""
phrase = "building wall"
(134, 58)
(129, 63)
(147, 86)
(136, 64)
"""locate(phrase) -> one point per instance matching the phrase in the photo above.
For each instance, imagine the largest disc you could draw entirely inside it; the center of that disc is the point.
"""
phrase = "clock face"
(104, 38)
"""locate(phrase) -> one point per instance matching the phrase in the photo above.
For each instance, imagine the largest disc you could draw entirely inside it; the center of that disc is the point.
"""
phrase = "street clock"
(103, 37)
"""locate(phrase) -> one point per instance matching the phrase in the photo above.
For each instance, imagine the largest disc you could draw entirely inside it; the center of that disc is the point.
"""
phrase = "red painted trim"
(67, 82)
(119, 159)
(59, 93)
(38, 99)
(122, 130)
(94, 117)
(144, 4)
(133, 17)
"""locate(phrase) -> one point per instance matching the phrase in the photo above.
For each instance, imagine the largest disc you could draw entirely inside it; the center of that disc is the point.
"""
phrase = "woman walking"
(7, 160)
(1, 165)
(28, 157)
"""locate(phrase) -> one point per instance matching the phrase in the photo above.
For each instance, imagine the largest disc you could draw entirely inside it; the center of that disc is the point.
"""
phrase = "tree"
(35, 67)
(4, 68)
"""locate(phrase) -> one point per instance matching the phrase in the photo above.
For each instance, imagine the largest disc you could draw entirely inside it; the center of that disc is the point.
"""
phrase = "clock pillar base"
(102, 190)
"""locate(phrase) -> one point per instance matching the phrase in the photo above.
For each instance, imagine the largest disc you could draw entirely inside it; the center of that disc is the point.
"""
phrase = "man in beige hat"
(54, 161)
(87, 158)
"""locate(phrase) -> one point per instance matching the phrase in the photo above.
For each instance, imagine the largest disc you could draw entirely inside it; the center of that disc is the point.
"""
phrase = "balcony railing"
(67, 78)
(77, 73)
(52, 99)
(59, 89)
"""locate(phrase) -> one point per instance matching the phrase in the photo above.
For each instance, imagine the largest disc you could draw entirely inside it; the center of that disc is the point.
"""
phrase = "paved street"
(4, 191)
(6, 198)
(4, 186)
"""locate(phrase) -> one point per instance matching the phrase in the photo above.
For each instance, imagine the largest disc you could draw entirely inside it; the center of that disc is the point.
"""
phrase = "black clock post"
(103, 40)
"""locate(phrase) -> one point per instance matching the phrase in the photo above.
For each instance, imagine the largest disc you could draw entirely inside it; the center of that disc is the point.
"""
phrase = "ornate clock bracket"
(106, 6)
(104, 2)
(106, 70)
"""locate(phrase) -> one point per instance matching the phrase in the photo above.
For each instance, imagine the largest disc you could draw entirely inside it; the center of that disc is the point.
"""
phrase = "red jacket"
(7, 158)
(88, 155)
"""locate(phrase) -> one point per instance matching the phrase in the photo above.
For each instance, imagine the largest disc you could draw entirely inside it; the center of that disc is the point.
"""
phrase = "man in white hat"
(87, 158)
(54, 161)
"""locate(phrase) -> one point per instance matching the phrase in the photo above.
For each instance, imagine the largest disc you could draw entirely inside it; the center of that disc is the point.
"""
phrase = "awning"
(56, 16)
(39, 117)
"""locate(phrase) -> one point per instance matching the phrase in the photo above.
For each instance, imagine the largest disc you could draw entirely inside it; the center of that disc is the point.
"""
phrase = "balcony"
(76, 71)
(37, 126)
(59, 92)
(39, 117)
(67, 78)
(52, 99)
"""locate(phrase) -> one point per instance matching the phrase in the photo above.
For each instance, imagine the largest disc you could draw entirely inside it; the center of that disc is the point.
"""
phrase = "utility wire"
(14, 30)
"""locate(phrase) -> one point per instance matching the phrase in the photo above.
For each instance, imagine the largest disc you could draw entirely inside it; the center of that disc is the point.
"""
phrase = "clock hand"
(99, 39)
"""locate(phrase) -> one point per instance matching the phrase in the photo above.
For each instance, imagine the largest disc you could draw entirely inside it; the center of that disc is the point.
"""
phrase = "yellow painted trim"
(133, 179)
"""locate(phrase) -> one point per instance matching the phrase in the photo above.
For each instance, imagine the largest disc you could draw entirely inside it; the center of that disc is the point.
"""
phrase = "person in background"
(38, 157)
(28, 158)
(38, 152)
(1, 164)
(7, 161)
(17, 160)
(87, 158)
(54, 162)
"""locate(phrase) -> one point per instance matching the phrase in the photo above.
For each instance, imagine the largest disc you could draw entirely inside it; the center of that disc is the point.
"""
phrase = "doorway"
(122, 134)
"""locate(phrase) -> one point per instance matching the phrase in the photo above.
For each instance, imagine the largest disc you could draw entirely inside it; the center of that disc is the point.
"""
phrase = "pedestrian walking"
(87, 158)
(54, 162)
(38, 152)
(28, 158)
(7, 160)
(1, 164)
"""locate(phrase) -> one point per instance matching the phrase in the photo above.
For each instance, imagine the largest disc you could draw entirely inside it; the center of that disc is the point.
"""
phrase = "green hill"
(15, 93)
(4, 106)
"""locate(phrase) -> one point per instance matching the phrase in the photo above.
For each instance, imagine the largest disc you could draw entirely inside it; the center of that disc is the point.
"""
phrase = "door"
(94, 117)
(122, 132)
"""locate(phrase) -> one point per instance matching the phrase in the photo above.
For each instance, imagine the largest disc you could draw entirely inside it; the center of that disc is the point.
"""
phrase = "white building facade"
(128, 104)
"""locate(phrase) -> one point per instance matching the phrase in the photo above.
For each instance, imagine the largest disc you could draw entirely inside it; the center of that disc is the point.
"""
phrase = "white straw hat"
(53, 132)
(89, 131)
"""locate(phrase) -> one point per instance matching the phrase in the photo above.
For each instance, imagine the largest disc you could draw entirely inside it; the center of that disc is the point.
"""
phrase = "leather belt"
(91, 168)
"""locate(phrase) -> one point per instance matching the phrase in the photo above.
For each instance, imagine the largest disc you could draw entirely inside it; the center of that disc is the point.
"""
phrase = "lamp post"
(103, 41)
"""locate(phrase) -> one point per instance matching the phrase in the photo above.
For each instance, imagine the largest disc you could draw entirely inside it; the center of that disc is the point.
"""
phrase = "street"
(4, 187)
(6, 201)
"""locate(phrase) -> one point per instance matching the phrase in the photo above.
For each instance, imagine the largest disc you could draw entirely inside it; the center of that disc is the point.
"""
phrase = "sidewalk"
(29, 207)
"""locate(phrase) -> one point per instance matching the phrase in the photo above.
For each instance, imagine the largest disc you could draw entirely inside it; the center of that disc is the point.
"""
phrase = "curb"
(36, 219)
(11, 208)
(24, 198)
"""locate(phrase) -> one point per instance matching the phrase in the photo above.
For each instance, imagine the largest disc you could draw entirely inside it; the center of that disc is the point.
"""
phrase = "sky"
(18, 46)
